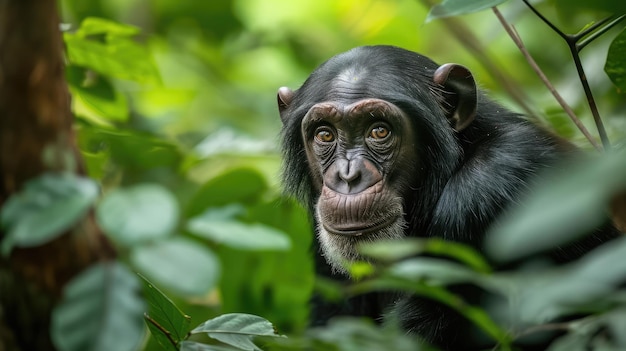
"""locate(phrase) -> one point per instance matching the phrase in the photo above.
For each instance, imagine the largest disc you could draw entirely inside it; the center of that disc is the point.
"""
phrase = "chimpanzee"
(383, 143)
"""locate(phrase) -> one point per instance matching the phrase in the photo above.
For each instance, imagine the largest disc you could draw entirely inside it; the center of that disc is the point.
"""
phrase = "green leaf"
(166, 314)
(48, 206)
(242, 185)
(585, 285)
(101, 310)
(118, 57)
(237, 329)
(391, 251)
(434, 271)
(97, 94)
(449, 8)
(615, 66)
(238, 235)
(562, 208)
(178, 264)
(140, 213)
(95, 25)
(196, 346)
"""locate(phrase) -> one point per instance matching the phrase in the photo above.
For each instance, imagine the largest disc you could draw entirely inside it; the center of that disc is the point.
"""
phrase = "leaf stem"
(161, 328)
(533, 64)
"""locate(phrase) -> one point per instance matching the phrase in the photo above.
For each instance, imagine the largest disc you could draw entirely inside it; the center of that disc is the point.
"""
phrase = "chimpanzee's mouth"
(360, 230)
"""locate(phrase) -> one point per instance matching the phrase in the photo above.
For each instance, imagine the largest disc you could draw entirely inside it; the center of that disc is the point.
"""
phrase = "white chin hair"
(339, 249)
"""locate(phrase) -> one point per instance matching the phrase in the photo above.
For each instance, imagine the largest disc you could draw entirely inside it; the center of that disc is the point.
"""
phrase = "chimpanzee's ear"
(285, 95)
(459, 94)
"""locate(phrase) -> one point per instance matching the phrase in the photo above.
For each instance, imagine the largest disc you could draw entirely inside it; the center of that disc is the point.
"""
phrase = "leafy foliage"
(101, 310)
(176, 121)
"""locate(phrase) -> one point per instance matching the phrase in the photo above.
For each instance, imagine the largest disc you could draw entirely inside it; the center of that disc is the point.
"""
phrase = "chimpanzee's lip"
(359, 230)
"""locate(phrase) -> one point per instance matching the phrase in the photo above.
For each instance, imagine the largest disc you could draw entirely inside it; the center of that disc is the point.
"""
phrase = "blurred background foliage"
(176, 117)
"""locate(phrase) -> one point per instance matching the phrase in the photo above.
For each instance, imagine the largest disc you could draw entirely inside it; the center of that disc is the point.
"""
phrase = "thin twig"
(598, 33)
(571, 41)
(533, 64)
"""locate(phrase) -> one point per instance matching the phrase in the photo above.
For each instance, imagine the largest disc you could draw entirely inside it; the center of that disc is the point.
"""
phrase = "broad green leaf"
(237, 329)
(97, 94)
(449, 8)
(585, 285)
(47, 206)
(562, 208)
(140, 213)
(615, 66)
(196, 346)
(166, 314)
(101, 310)
(347, 333)
(118, 57)
(390, 251)
(180, 265)
(241, 185)
(434, 271)
(94, 25)
(237, 234)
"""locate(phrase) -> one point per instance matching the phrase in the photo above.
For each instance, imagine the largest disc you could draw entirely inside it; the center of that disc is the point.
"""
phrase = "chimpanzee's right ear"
(285, 96)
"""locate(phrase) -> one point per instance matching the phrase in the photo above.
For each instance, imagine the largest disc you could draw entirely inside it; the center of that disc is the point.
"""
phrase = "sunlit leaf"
(166, 314)
(615, 66)
(101, 310)
(449, 8)
(46, 207)
(118, 57)
(139, 213)
(98, 95)
(95, 25)
(178, 264)
(237, 329)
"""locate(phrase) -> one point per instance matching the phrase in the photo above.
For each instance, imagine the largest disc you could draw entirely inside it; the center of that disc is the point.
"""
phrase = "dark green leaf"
(139, 213)
(97, 94)
(178, 264)
(164, 312)
(562, 208)
(238, 235)
(47, 206)
(101, 310)
(615, 66)
(449, 8)
(237, 329)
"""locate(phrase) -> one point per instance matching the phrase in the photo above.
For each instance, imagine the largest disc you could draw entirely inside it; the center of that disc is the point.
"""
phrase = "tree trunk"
(36, 136)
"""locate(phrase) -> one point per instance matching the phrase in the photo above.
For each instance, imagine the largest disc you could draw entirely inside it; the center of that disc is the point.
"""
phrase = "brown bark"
(36, 135)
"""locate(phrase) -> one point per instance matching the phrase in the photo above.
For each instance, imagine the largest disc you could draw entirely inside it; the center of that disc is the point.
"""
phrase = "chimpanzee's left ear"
(285, 95)
(459, 94)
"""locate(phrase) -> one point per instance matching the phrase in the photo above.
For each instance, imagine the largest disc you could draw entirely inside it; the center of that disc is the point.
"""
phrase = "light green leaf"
(237, 329)
(101, 310)
(449, 8)
(178, 264)
(166, 314)
(47, 206)
(237, 234)
(615, 66)
(434, 271)
(390, 251)
(97, 94)
(196, 346)
(139, 213)
(118, 57)
(95, 25)
(562, 208)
